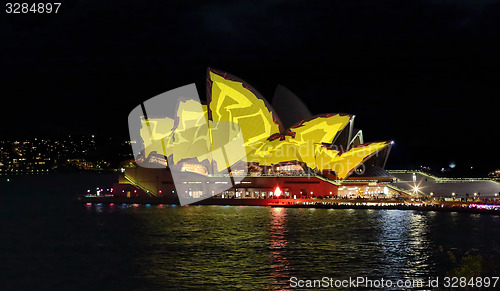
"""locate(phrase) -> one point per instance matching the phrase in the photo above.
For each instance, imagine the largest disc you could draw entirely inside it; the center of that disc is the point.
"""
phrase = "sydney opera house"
(240, 146)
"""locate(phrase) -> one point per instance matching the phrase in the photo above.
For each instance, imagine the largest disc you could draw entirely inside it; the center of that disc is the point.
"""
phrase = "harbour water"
(50, 241)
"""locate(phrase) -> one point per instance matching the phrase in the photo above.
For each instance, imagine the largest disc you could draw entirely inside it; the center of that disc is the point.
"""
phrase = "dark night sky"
(423, 73)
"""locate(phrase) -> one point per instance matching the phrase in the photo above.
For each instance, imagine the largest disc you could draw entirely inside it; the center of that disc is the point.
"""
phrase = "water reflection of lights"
(419, 244)
(392, 240)
(99, 208)
(279, 257)
(417, 227)
(103, 207)
(403, 239)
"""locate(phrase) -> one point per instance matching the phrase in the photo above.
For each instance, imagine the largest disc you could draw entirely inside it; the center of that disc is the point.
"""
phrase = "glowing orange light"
(277, 191)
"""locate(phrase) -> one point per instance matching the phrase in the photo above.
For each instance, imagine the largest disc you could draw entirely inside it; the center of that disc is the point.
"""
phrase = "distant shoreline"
(399, 207)
(463, 207)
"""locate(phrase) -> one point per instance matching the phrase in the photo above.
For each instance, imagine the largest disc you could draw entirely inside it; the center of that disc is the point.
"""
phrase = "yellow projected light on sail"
(345, 163)
(191, 137)
(324, 157)
(276, 151)
(238, 126)
(318, 131)
(156, 135)
(227, 144)
(302, 142)
(231, 101)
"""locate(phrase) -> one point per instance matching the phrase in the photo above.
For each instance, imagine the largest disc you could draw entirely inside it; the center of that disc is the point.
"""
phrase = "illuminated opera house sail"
(239, 135)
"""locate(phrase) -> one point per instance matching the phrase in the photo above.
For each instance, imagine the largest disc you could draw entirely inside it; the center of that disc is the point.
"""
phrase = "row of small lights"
(454, 194)
(134, 204)
(416, 189)
(17, 170)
